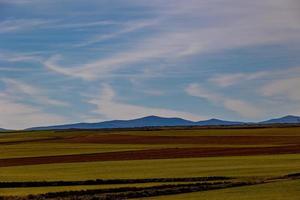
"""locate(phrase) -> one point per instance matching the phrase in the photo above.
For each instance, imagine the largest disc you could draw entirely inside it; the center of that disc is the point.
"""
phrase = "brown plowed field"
(167, 153)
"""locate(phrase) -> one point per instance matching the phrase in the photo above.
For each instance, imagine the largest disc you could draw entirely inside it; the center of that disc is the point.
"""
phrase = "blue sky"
(64, 61)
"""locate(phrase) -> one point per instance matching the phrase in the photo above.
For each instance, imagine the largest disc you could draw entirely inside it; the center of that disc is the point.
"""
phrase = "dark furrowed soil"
(167, 153)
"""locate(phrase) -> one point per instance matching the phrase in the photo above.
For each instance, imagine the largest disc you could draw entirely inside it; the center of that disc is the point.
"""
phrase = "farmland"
(252, 159)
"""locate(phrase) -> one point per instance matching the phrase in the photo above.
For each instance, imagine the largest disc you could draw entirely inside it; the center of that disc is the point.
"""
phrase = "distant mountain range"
(289, 119)
(155, 121)
(2, 129)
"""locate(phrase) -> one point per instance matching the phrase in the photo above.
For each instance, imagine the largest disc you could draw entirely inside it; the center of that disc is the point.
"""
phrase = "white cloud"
(12, 25)
(127, 28)
(239, 24)
(17, 89)
(19, 57)
(197, 91)
(101, 68)
(238, 106)
(243, 108)
(107, 106)
(225, 80)
(277, 90)
(14, 115)
(16, 25)
(82, 24)
(283, 88)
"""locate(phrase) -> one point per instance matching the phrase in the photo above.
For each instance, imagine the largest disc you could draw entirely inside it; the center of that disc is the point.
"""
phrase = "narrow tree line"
(108, 181)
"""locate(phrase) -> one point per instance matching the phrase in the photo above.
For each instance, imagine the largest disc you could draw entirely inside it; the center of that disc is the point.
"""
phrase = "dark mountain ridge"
(155, 121)
(289, 119)
(149, 121)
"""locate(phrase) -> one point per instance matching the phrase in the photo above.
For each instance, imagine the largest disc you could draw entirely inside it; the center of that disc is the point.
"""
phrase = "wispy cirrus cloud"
(238, 106)
(274, 90)
(126, 28)
(225, 80)
(102, 67)
(19, 57)
(18, 90)
(23, 106)
(69, 25)
(16, 115)
(233, 79)
(284, 89)
(28, 24)
(173, 40)
(13, 25)
(108, 106)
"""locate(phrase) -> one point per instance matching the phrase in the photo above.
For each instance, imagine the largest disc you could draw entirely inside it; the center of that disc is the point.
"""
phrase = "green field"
(257, 159)
(272, 165)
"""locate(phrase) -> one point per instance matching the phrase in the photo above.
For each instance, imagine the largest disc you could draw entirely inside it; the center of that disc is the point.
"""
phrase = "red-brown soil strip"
(150, 154)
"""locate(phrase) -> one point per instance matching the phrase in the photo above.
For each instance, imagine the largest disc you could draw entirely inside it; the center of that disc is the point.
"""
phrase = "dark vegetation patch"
(109, 181)
(132, 192)
(217, 182)
(293, 176)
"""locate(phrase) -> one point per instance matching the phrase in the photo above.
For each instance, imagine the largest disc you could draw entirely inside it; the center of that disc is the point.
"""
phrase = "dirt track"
(150, 154)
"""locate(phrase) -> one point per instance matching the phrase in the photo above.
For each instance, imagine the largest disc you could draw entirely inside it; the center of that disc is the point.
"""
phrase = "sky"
(67, 61)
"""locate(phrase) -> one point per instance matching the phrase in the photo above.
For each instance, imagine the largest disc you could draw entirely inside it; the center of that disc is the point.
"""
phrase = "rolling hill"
(150, 121)
(155, 121)
(213, 122)
(289, 119)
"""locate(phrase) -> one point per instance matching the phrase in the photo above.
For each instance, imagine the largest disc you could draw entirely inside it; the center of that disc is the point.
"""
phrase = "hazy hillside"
(155, 121)
(150, 121)
(290, 119)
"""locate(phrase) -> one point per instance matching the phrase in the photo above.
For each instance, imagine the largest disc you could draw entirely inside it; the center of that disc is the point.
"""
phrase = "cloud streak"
(16, 115)
(283, 88)
(18, 90)
(107, 106)
(240, 107)
(13, 25)
(234, 29)
(127, 28)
